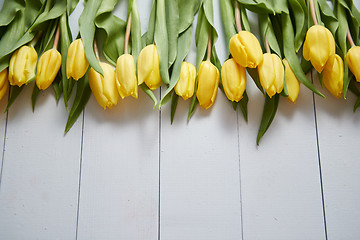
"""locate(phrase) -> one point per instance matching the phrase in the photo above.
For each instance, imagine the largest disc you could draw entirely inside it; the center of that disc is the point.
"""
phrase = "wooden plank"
(119, 181)
(339, 141)
(281, 191)
(39, 187)
(3, 117)
(199, 173)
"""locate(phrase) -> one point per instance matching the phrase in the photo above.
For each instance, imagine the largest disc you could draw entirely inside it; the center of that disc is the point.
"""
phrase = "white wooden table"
(129, 174)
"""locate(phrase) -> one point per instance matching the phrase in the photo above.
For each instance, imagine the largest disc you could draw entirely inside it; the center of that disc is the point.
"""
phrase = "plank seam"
(159, 165)
(3, 153)
(241, 208)
(80, 170)
(319, 164)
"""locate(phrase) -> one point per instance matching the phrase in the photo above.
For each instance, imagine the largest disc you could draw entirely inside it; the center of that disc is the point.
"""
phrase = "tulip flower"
(148, 67)
(126, 80)
(186, 83)
(48, 67)
(319, 47)
(292, 83)
(22, 66)
(76, 62)
(271, 74)
(353, 61)
(246, 49)
(208, 82)
(333, 76)
(4, 83)
(104, 87)
(233, 78)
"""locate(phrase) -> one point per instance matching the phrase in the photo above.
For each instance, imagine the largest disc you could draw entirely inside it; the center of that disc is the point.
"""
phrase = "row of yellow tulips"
(319, 48)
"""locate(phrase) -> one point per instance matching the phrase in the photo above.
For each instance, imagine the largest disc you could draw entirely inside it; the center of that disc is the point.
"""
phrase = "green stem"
(127, 34)
(57, 37)
(237, 16)
(349, 37)
(313, 12)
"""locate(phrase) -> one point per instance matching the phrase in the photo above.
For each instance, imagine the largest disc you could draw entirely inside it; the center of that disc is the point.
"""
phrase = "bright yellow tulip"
(208, 82)
(233, 78)
(148, 67)
(4, 83)
(292, 83)
(271, 74)
(104, 87)
(126, 80)
(246, 49)
(22, 66)
(319, 47)
(353, 61)
(333, 76)
(186, 83)
(48, 67)
(76, 62)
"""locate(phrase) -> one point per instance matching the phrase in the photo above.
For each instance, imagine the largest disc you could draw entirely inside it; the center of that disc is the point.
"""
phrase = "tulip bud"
(22, 66)
(126, 80)
(319, 47)
(48, 67)
(104, 87)
(292, 83)
(233, 78)
(76, 62)
(186, 83)
(208, 82)
(353, 61)
(148, 67)
(246, 49)
(271, 74)
(4, 83)
(333, 76)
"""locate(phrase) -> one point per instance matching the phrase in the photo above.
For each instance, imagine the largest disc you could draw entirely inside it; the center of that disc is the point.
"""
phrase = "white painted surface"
(142, 178)
(39, 184)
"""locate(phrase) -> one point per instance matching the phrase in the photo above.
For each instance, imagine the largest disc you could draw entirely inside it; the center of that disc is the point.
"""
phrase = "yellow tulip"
(76, 62)
(148, 67)
(126, 80)
(233, 78)
(292, 83)
(4, 83)
(186, 83)
(22, 66)
(333, 76)
(208, 82)
(48, 67)
(246, 49)
(104, 87)
(353, 61)
(319, 47)
(271, 74)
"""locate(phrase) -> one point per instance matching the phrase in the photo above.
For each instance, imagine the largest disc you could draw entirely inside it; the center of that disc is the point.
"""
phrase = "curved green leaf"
(299, 13)
(228, 20)
(270, 108)
(161, 40)
(172, 26)
(136, 44)
(150, 93)
(187, 11)
(9, 10)
(266, 30)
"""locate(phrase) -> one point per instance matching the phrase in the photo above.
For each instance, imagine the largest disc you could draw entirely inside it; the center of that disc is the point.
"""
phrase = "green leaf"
(262, 7)
(83, 93)
(53, 9)
(174, 102)
(9, 10)
(269, 111)
(14, 93)
(290, 55)
(245, 20)
(161, 40)
(244, 105)
(34, 96)
(71, 5)
(87, 32)
(114, 28)
(228, 20)
(136, 44)
(184, 43)
(266, 30)
(327, 16)
(299, 13)
(150, 93)
(172, 26)
(254, 74)
(151, 27)
(66, 38)
(187, 11)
